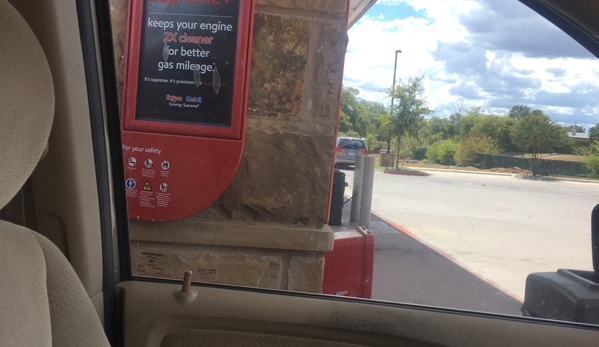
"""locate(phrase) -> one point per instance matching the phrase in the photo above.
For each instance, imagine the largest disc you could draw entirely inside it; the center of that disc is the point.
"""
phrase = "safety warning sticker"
(130, 183)
(147, 187)
(148, 173)
(146, 199)
(163, 200)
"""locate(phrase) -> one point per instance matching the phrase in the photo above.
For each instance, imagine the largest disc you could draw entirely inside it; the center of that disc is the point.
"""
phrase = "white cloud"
(492, 65)
(371, 51)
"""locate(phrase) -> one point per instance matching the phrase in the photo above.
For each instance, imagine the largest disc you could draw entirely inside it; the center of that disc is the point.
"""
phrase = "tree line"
(409, 129)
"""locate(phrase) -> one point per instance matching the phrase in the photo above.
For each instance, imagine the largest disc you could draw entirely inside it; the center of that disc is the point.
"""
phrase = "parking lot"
(497, 227)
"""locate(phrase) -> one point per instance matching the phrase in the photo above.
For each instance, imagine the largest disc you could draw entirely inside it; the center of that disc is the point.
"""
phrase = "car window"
(352, 144)
(483, 145)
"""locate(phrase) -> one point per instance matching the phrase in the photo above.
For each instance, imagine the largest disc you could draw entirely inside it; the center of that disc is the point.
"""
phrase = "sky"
(489, 53)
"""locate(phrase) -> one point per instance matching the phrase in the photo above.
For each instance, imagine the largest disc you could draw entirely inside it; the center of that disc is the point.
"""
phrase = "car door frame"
(96, 40)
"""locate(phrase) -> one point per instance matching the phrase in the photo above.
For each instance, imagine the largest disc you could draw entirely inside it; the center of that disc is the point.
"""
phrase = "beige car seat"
(42, 301)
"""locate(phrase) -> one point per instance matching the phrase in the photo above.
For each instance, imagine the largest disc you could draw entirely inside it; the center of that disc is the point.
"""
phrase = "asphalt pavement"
(500, 228)
(407, 271)
(469, 241)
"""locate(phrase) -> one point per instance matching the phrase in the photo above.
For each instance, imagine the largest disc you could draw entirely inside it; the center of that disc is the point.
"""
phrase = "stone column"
(268, 228)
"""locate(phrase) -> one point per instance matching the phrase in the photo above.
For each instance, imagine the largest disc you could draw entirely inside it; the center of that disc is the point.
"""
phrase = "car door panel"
(154, 314)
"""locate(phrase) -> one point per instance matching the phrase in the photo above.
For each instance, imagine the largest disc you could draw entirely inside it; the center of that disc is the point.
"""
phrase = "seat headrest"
(26, 101)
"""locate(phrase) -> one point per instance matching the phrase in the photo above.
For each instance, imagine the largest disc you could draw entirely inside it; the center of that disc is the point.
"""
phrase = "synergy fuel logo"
(187, 102)
(173, 98)
(194, 99)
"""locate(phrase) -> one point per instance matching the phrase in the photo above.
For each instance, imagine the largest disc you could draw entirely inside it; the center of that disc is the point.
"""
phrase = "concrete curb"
(539, 178)
(407, 173)
(464, 171)
(553, 179)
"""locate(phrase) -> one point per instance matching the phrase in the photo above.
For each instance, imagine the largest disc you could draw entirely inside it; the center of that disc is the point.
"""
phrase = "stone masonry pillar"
(268, 228)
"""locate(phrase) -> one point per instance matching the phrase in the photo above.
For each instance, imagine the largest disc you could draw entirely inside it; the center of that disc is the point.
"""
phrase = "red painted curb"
(444, 255)
(406, 173)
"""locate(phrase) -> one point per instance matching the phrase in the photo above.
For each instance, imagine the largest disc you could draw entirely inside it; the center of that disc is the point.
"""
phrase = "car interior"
(66, 277)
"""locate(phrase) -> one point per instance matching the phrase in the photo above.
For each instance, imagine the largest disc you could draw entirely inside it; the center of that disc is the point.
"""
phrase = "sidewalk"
(407, 271)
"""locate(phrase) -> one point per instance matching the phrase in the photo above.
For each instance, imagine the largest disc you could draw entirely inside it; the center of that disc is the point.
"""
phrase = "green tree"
(372, 144)
(349, 134)
(469, 120)
(360, 116)
(344, 123)
(385, 129)
(408, 110)
(519, 111)
(442, 152)
(473, 145)
(410, 146)
(373, 114)
(498, 128)
(594, 133)
(361, 126)
(536, 134)
(439, 129)
(456, 116)
(592, 160)
(564, 143)
(350, 105)
(537, 113)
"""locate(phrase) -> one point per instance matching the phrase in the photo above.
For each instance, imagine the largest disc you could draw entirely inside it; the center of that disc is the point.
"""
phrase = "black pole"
(392, 99)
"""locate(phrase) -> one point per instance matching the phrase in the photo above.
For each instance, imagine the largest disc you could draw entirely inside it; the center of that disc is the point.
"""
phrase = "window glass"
(351, 143)
(479, 116)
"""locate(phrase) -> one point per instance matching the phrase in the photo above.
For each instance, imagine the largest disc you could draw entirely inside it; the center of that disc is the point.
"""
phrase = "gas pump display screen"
(187, 61)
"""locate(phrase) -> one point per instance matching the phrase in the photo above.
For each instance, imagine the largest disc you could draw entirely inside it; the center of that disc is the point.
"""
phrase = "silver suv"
(347, 148)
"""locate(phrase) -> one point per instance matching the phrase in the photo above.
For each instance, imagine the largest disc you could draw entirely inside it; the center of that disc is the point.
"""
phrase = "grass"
(421, 165)
(403, 168)
(550, 156)
(378, 167)
(566, 157)
(399, 169)
(406, 169)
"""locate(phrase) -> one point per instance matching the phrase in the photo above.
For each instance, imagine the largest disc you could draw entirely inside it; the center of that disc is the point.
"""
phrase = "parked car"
(347, 148)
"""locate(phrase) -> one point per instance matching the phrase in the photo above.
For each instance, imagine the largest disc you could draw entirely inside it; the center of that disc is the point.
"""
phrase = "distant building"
(582, 139)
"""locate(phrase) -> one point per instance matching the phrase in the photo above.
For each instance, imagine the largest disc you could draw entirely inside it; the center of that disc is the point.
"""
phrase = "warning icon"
(147, 187)
(163, 187)
(149, 163)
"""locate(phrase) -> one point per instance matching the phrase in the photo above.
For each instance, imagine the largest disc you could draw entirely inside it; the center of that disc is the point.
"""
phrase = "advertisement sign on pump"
(184, 102)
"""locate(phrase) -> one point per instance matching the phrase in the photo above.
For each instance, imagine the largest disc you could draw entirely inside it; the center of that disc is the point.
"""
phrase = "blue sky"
(386, 11)
(488, 53)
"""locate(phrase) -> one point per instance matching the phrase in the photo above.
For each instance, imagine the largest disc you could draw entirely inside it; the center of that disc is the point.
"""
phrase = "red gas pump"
(184, 102)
